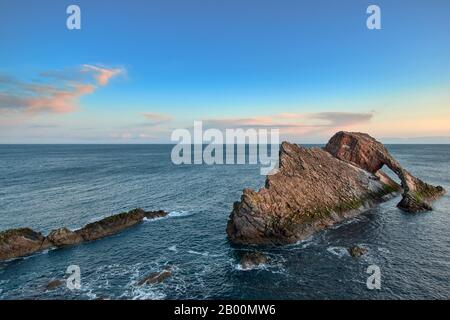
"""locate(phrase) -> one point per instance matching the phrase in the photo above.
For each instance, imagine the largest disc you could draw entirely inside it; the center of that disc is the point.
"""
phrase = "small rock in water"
(356, 251)
(54, 284)
(156, 277)
(413, 204)
(253, 259)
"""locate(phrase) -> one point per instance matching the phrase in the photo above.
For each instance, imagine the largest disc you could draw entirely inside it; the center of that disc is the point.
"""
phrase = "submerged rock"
(315, 188)
(252, 260)
(356, 251)
(22, 242)
(54, 284)
(156, 277)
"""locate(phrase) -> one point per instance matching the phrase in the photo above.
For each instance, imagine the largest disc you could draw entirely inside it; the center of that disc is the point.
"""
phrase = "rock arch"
(367, 153)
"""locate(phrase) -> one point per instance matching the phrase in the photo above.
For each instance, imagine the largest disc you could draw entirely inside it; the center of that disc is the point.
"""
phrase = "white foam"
(152, 219)
(261, 266)
(338, 251)
(182, 213)
(384, 250)
(172, 214)
(91, 295)
(147, 293)
(97, 218)
(204, 254)
(304, 243)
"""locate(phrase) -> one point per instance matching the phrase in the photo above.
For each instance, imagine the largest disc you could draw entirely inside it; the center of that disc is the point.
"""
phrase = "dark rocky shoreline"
(21, 242)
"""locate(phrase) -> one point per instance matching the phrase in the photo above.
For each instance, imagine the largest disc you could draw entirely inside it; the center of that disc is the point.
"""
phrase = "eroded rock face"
(369, 154)
(22, 242)
(315, 188)
(311, 191)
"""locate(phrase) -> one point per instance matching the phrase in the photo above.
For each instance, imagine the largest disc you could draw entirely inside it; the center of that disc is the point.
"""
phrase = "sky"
(138, 70)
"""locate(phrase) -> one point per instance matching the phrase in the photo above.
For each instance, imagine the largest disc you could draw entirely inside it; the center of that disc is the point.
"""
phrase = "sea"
(49, 186)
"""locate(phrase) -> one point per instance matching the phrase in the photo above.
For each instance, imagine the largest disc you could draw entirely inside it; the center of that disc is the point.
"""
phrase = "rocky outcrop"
(156, 277)
(370, 155)
(315, 188)
(114, 224)
(251, 260)
(356, 251)
(54, 284)
(64, 237)
(22, 242)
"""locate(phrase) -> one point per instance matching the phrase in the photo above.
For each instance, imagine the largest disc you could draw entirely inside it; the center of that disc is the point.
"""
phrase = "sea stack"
(317, 187)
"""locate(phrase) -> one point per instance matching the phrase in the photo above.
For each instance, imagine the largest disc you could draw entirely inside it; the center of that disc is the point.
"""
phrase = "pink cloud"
(103, 75)
(59, 101)
(59, 95)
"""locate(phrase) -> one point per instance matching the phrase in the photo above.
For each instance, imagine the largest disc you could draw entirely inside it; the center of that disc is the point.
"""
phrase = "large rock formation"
(22, 242)
(315, 188)
(369, 154)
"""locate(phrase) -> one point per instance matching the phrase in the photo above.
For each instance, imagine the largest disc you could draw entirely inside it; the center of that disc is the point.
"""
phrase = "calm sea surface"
(49, 186)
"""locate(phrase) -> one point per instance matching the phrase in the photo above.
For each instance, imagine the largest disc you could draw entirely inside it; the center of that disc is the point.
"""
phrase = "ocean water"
(49, 186)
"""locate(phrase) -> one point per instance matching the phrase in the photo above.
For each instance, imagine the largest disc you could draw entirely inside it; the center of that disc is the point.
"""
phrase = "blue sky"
(241, 62)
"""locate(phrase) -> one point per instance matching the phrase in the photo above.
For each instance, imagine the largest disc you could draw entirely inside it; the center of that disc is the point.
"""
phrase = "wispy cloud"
(53, 91)
(43, 126)
(312, 121)
(156, 118)
(103, 75)
(341, 119)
